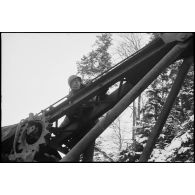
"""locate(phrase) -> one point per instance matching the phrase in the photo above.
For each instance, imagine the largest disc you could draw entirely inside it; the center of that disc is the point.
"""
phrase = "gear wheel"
(29, 135)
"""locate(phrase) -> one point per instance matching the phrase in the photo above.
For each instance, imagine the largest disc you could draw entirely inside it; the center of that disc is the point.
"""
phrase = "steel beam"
(124, 102)
(99, 110)
(157, 129)
(148, 56)
(89, 153)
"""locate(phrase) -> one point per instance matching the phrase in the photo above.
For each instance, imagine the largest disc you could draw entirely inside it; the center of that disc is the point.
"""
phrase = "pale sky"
(35, 69)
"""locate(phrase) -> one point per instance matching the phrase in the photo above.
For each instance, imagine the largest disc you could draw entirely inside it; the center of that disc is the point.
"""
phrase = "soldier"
(78, 114)
(75, 84)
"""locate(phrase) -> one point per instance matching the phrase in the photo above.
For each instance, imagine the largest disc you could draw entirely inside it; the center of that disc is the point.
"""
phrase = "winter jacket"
(82, 110)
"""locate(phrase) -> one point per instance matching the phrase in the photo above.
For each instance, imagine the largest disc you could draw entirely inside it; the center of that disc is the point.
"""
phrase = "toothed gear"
(29, 135)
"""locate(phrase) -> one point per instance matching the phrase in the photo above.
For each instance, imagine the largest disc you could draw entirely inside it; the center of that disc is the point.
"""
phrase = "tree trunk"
(139, 108)
(134, 120)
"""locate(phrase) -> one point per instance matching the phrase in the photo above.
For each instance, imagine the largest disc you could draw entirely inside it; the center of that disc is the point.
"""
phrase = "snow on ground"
(164, 155)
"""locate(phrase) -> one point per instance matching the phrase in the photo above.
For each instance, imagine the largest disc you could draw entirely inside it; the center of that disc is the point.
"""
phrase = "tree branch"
(104, 153)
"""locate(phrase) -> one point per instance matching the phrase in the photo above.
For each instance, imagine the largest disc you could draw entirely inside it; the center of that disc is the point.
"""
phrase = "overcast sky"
(35, 68)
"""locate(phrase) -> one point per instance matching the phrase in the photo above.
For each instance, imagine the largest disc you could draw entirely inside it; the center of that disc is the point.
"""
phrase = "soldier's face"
(75, 84)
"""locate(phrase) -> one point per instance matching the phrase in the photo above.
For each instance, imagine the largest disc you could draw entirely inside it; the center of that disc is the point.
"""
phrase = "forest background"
(127, 135)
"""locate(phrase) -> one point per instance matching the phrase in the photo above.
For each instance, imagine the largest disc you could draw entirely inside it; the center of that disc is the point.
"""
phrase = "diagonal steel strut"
(169, 58)
(157, 129)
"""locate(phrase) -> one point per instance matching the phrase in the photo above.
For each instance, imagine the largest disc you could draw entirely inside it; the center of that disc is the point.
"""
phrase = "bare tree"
(134, 120)
(139, 108)
(117, 137)
(130, 43)
(104, 154)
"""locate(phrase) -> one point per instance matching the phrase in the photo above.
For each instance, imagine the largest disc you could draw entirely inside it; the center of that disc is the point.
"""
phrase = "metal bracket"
(170, 37)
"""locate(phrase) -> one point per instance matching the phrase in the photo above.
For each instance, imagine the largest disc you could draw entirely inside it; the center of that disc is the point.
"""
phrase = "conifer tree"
(98, 60)
(93, 64)
(179, 127)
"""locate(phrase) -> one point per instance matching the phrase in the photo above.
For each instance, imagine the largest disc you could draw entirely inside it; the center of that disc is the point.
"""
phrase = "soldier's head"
(74, 82)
